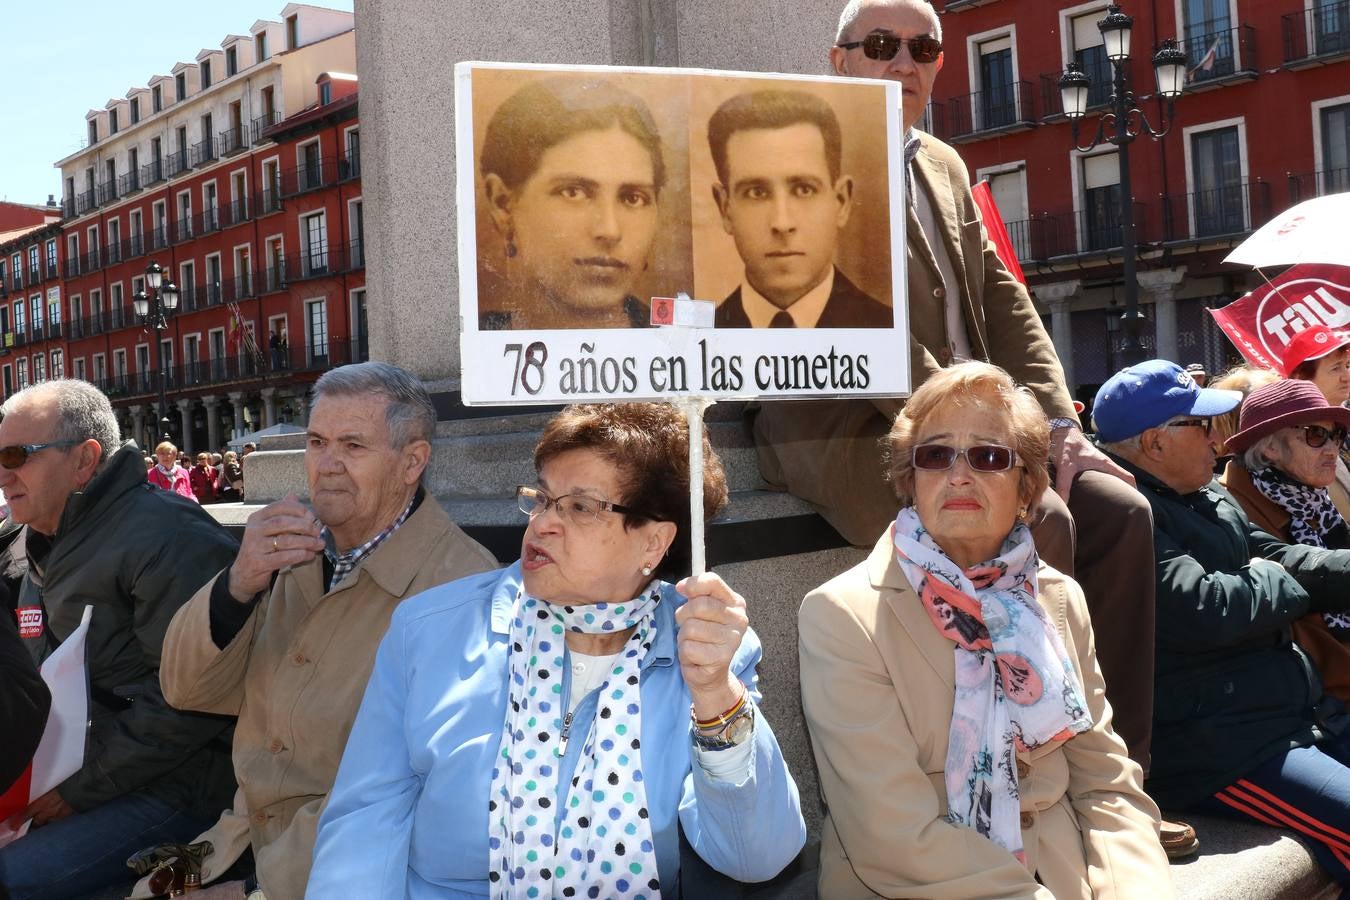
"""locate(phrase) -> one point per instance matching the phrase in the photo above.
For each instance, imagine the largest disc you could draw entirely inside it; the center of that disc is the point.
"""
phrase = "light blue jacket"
(408, 815)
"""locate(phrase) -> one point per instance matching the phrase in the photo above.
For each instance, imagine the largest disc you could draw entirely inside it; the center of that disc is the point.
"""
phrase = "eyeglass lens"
(981, 458)
(883, 46)
(533, 502)
(1316, 436)
(13, 457)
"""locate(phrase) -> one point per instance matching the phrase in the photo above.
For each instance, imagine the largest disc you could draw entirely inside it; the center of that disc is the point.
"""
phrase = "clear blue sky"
(62, 58)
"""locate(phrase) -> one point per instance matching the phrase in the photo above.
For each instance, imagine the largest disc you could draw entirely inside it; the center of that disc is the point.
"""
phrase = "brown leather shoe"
(1178, 840)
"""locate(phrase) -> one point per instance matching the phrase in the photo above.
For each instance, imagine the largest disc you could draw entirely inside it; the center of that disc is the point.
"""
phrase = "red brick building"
(1264, 123)
(239, 174)
(30, 289)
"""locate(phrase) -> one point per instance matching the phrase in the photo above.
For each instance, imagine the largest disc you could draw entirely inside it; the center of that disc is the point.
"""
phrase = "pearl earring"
(646, 570)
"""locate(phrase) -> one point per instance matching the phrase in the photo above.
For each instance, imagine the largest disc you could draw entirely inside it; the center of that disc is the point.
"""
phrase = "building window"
(316, 319)
(1216, 178)
(180, 86)
(135, 110)
(36, 321)
(187, 287)
(1335, 122)
(19, 317)
(114, 240)
(361, 328)
(113, 124)
(205, 69)
(1090, 54)
(79, 369)
(34, 272)
(998, 90)
(326, 93)
(100, 368)
(23, 373)
(9, 381)
(231, 61)
(292, 32)
(311, 169)
(96, 302)
(51, 258)
(39, 368)
(93, 131)
(1209, 39)
(156, 99)
(58, 363)
(260, 45)
(1101, 202)
(314, 232)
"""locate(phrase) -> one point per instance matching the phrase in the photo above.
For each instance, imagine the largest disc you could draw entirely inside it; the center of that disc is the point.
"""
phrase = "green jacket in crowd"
(1232, 689)
(136, 554)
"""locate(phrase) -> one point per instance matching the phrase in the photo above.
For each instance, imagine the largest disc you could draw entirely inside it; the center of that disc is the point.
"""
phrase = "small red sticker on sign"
(663, 310)
(30, 621)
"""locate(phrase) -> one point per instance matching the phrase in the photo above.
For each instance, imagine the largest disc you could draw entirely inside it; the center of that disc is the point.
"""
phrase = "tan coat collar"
(395, 563)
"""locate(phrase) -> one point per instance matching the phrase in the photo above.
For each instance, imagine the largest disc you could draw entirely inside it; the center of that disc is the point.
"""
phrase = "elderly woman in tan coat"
(951, 687)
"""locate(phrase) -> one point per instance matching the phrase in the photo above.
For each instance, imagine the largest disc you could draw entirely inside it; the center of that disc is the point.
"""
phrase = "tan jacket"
(295, 676)
(877, 688)
(828, 451)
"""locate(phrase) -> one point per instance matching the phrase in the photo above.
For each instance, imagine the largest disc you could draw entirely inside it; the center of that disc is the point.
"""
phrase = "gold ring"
(274, 545)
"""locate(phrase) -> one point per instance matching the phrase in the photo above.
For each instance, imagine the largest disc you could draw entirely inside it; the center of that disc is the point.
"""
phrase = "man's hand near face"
(283, 534)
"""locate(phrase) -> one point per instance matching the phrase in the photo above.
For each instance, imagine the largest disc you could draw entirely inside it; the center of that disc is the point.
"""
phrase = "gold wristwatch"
(730, 729)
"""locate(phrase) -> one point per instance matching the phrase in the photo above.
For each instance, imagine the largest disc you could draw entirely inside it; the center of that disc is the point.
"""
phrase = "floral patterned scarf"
(1015, 687)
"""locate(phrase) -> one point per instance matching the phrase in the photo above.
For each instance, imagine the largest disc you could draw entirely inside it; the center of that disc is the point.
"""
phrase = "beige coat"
(295, 676)
(877, 688)
(828, 451)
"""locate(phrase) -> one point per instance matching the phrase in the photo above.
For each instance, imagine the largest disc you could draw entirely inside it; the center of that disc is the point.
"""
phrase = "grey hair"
(854, 8)
(1124, 446)
(1254, 457)
(82, 413)
(411, 416)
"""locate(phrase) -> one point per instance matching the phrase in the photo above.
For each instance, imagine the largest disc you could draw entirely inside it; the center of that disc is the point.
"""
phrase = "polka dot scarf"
(1015, 687)
(602, 846)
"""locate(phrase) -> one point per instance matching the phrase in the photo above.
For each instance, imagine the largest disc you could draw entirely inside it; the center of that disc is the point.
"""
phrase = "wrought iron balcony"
(203, 152)
(1316, 35)
(1218, 56)
(231, 141)
(1318, 184)
(68, 207)
(129, 183)
(107, 191)
(234, 213)
(158, 237)
(1002, 109)
(182, 230)
(34, 274)
(176, 163)
(241, 288)
(262, 123)
(152, 172)
(269, 201)
(310, 177)
(349, 167)
(1229, 211)
(112, 252)
(84, 202)
(1099, 93)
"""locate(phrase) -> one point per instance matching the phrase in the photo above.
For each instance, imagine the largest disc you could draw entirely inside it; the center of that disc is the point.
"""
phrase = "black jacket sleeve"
(24, 703)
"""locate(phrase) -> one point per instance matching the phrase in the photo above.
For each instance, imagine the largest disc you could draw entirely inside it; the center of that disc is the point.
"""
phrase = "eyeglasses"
(14, 456)
(1316, 436)
(884, 45)
(577, 508)
(1204, 423)
(980, 458)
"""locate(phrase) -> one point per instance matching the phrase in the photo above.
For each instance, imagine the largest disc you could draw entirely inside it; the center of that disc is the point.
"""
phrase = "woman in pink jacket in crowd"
(168, 474)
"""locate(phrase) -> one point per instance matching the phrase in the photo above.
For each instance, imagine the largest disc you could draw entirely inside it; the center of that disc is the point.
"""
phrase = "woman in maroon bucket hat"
(1287, 450)
(1322, 355)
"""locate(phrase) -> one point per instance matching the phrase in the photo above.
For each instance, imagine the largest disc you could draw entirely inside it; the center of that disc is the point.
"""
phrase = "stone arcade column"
(211, 402)
(1162, 284)
(185, 421)
(269, 398)
(138, 425)
(403, 51)
(301, 409)
(1059, 297)
(237, 401)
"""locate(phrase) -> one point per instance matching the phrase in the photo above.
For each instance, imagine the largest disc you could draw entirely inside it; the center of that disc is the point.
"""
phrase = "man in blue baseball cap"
(1240, 719)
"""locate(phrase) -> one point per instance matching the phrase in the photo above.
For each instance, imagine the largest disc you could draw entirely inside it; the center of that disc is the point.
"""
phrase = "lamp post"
(1169, 66)
(153, 310)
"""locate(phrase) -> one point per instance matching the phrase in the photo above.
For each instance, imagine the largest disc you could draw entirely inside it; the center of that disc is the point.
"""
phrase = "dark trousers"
(1307, 791)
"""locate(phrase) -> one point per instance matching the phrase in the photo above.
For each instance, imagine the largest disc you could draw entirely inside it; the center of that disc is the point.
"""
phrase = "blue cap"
(1147, 395)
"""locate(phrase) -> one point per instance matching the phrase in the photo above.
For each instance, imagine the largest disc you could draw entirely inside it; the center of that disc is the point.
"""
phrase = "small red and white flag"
(997, 231)
(60, 754)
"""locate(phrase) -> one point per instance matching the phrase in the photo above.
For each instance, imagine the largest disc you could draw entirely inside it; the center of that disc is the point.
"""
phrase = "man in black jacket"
(24, 701)
(97, 534)
(1242, 726)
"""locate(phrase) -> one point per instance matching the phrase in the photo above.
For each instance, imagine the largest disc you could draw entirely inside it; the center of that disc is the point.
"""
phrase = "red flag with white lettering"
(997, 231)
(1262, 323)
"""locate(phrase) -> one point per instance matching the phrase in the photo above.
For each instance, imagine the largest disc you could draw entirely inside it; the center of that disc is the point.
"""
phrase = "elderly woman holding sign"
(547, 729)
(950, 684)
(572, 170)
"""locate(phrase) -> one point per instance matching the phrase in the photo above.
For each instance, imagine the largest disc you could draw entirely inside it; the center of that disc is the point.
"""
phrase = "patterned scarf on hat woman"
(1313, 520)
(600, 843)
(1015, 687)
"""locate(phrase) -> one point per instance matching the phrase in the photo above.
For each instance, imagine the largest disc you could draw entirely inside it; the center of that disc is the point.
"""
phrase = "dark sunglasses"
(980, 458)
(1204, 423)
(884, 45)
(1316, 436)
(17, 455)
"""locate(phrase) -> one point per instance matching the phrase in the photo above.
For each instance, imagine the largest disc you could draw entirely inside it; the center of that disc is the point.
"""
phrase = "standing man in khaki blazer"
(964, 304)
(285, 638)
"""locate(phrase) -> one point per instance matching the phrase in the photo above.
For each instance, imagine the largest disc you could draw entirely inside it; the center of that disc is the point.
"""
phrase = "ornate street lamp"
(1116, 127)
(153, 309)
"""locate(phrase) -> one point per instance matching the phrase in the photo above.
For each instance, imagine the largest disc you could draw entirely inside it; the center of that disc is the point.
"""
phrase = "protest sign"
(641, 234)
(1262, 323)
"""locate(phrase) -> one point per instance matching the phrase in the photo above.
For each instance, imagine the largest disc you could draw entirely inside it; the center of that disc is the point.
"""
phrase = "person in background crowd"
(1242, 724)
(168, 474)
(97, 534)
(203, 479)
(952, 650)
(1287, 449)
(249, 447)
(24, 702)
(1197, 373)
(1322, 356)
(550, 727)
(1244, 380)
(230, 485)
(149, 463)
(286, 636)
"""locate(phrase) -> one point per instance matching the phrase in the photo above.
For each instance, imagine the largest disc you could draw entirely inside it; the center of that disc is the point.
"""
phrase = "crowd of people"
(1061, 628)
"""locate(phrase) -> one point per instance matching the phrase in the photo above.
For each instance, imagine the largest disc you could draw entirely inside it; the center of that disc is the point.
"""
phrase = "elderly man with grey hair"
(285, 638)
(96, 534)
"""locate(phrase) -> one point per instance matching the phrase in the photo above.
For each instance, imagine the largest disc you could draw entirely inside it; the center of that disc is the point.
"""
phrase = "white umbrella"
(1312, 232)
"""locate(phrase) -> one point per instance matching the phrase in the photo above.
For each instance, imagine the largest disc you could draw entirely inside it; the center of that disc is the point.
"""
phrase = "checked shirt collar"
(344, 563)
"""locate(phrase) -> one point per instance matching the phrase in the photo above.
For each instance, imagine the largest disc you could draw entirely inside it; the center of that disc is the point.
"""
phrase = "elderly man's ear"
(415, 458)
(87, 457)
